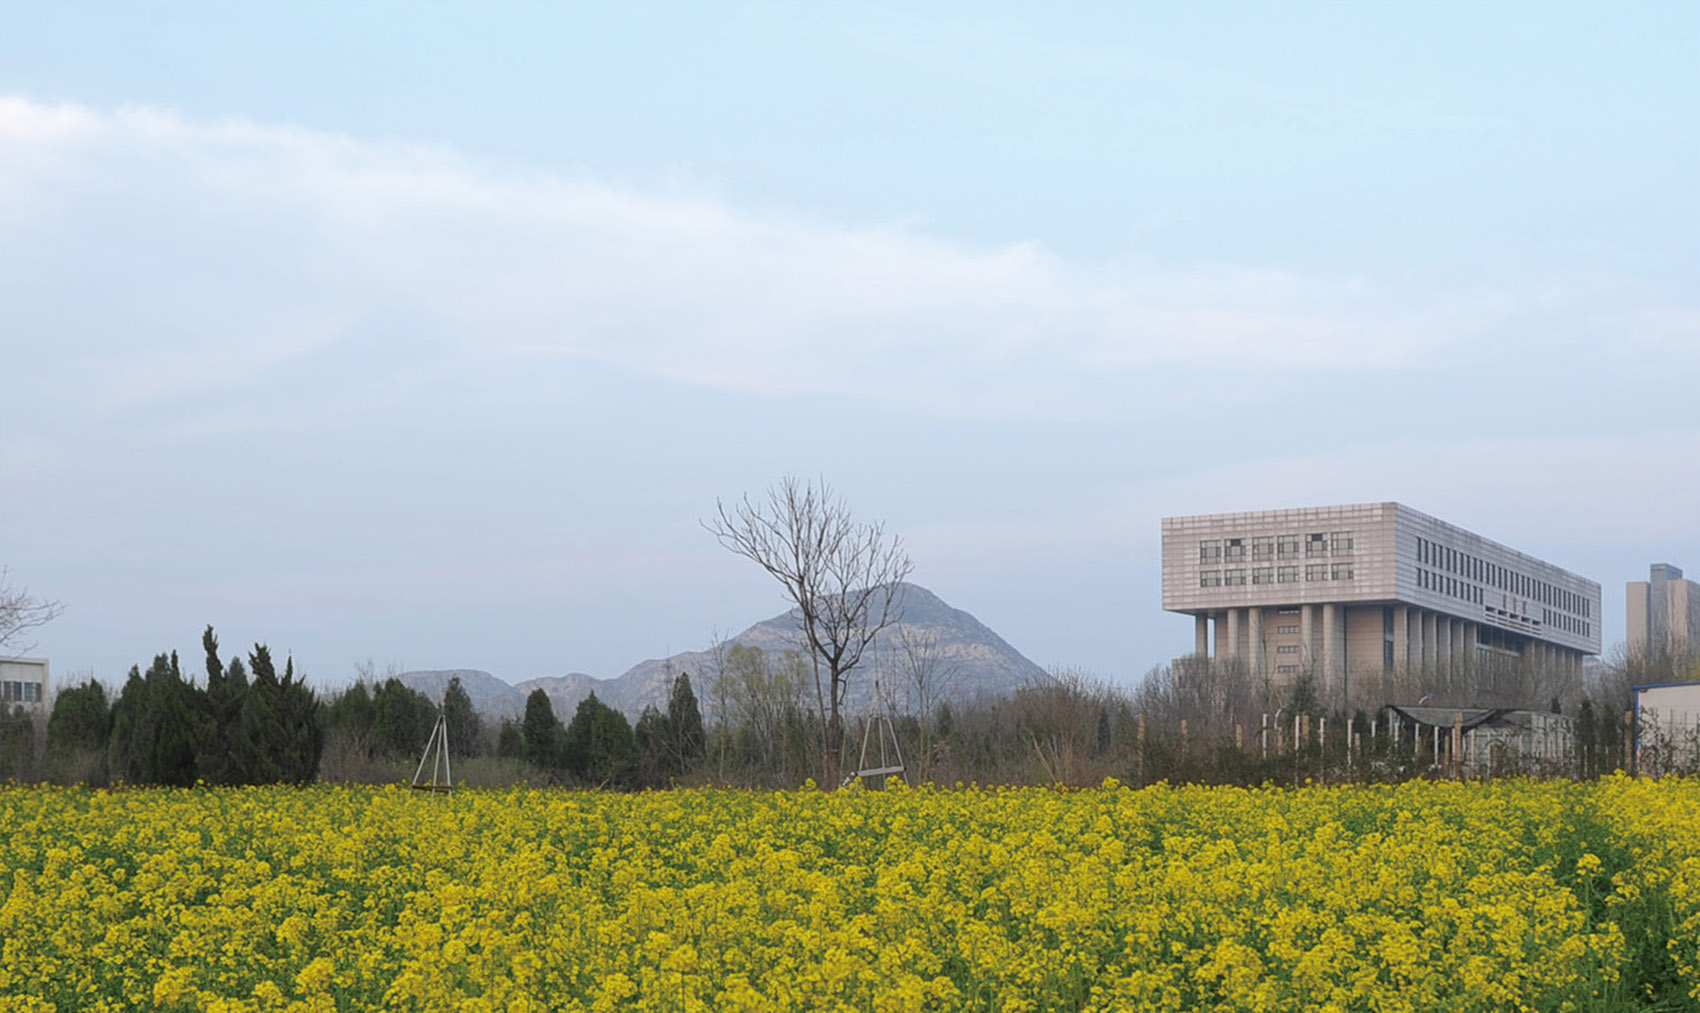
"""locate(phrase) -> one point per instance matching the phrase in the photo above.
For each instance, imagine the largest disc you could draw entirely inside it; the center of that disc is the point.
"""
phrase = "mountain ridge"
(971, 660)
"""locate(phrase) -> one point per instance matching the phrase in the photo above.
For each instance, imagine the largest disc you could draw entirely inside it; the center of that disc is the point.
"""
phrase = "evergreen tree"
(217, 755)
(81, 719)
(541, 731)
(600, 745)
(126, 740)
(655, 748)
(258, 739)
(510, 741)
(401, 720)
(465, 729)
(170, 725)
(684, 723)
(300, 736)
(349, 714)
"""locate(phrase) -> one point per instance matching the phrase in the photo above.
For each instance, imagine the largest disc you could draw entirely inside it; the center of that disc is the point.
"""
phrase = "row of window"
(1569, 624)
(1452, 587)
(1470, 567)
(1312, 545)
(1275, 575)
(20, 692)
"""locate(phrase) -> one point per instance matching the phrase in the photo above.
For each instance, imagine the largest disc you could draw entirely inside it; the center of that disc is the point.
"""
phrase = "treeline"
(377, 730)
(1194, 720)
(247, 724)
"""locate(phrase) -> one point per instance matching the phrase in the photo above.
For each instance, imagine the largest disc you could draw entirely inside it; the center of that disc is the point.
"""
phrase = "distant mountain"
(971, 661)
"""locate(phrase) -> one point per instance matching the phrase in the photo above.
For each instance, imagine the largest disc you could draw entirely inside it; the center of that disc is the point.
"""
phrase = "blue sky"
(427, 333)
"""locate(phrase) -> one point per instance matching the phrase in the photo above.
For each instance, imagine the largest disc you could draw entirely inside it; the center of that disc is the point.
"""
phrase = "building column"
(1467, 646)
(1307, 636)
(1427, 621)
(1401, 637)
(1443, 646)
(1201, 635)
(1233, 634)
(1255, 634)
(1330, 649)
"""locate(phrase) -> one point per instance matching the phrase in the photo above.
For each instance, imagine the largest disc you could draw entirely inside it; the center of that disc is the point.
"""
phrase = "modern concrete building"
(1664, 612)
(23, 681)
(1372, 586)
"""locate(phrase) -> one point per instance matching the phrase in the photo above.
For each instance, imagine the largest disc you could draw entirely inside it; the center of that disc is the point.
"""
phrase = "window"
(1287, 649)
(1287, 611)
(1233, 577)
(1341, 571)
(1263, 575)
(1286, 574)
(1286, 670)
(22, 692)
(1210, 578)
(1287, 629)
(1317, 571)
(1233, 549)
(1210, 551)
(1287, 546)
(1340, 543)
(1316, 544)
(1263, 548)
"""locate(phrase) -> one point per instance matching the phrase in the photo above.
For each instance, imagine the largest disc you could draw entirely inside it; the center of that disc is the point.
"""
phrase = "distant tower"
(1663, 612)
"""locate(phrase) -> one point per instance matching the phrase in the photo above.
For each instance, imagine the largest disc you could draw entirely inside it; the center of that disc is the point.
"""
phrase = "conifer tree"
(600, 745)
(465, 728)
(542, 731)
(684, 722)
(655, 749)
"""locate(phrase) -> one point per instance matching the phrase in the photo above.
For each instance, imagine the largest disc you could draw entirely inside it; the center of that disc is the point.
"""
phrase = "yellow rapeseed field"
(1425, 896)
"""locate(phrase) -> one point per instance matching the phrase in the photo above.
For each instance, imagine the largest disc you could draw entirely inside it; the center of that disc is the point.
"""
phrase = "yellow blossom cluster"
(1512, 895)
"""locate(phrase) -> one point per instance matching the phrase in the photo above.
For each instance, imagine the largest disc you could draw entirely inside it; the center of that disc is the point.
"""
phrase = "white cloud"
(243, 225)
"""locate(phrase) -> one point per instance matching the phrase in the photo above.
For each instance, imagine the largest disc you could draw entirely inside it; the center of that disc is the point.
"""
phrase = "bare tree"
(843, 578)
(21, 612)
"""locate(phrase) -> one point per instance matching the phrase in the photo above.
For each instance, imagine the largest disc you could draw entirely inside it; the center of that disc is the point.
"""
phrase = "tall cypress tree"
(301, 739)
(655, 748)
(541, 731)
(684, 722)
(465, 728)
(218, 754)
(167, 726)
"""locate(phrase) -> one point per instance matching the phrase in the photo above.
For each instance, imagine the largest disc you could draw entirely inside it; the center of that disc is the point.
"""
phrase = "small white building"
(1667, 728)
(23, 681)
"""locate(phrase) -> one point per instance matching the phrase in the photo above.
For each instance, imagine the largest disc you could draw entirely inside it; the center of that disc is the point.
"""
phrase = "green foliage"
(165, 730)
(600, 746)
(684, 725)
(401, 720)
(81, 718)
(156, 725)
(542, 732)
(654, 736)
(466, 731)
(510, 741)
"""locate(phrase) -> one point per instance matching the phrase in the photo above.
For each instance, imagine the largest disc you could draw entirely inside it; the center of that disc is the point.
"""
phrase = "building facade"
(1663, 612)
(1371, 586)
(23, 681)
